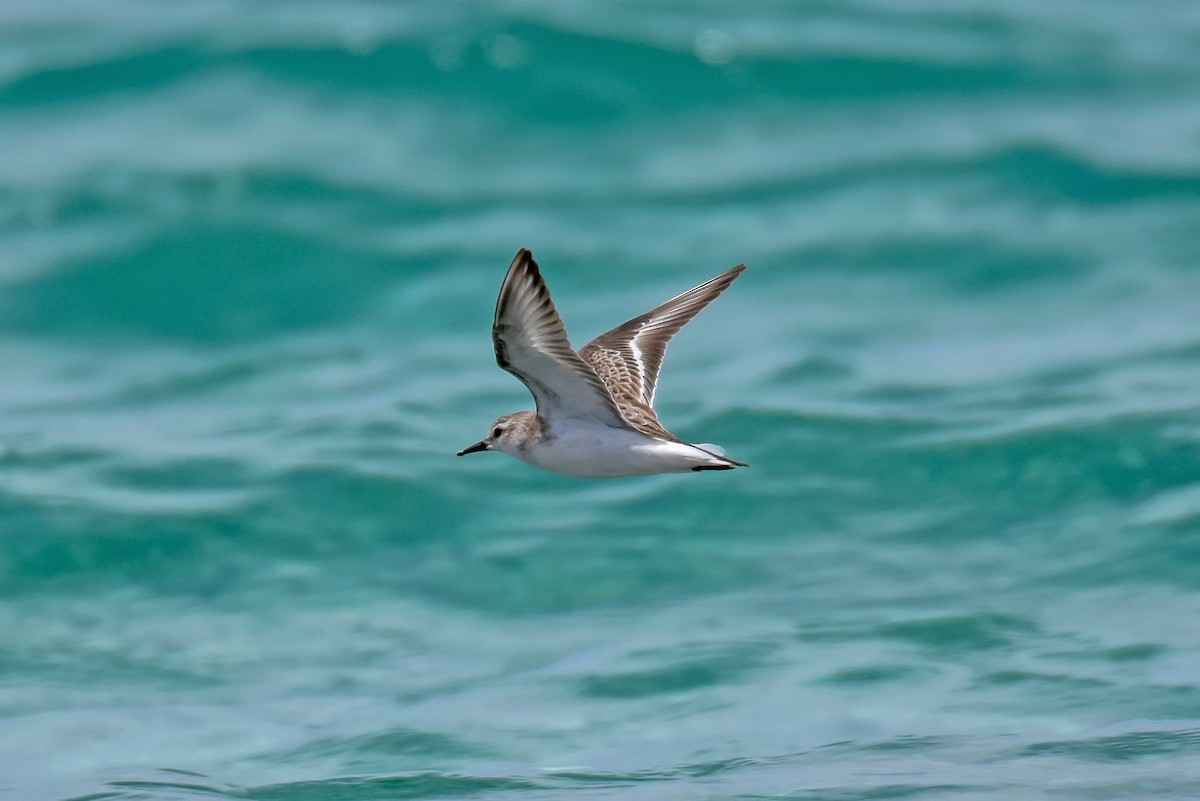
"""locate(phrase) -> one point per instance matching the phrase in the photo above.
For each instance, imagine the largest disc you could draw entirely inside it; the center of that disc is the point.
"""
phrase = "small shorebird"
(595, 409)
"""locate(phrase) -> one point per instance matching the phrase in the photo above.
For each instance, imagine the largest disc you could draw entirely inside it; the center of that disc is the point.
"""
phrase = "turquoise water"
(248, 258)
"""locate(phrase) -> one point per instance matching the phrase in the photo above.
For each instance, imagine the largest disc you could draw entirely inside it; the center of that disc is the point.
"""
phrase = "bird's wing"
(531, 343)
(629, 357)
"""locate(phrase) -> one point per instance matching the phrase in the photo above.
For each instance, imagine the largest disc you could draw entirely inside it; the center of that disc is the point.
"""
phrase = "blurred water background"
(248, 258)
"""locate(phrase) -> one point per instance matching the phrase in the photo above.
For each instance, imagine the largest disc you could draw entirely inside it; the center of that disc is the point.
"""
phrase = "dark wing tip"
(522, 265)
(725, 279)
(523, 279)
(525, 262)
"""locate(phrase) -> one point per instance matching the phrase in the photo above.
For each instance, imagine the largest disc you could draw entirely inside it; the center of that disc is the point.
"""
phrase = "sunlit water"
(248, 257)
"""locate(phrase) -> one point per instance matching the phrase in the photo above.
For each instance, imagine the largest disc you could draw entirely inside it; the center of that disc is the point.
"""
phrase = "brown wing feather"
(629, 357)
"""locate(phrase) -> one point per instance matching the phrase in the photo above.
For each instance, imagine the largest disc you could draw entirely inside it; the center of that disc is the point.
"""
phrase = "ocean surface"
(249, 254)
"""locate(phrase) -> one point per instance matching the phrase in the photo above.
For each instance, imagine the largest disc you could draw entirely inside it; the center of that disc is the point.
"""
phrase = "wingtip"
(722, 281)
(523, 267)
(524, 256)
(524, 264)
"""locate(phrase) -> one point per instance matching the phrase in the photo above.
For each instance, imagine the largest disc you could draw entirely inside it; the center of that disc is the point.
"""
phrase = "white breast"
(597, 451)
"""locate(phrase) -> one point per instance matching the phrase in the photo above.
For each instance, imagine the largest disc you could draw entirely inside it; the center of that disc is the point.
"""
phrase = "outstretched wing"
(629, 357)
(531, 343)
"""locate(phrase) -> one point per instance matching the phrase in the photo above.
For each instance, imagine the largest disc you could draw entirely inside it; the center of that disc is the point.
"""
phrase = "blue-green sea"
(249, 255)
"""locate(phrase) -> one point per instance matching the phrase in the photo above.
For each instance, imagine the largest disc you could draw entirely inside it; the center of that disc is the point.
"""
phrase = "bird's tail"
(724, 462)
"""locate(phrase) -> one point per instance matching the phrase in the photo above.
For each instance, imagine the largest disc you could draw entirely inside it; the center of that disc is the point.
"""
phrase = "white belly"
(597, 451)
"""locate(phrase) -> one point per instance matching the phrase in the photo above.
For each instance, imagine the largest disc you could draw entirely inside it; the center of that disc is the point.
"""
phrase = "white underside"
(579, 448)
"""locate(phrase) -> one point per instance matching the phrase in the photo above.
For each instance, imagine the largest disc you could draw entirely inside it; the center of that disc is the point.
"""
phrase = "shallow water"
(249, 258)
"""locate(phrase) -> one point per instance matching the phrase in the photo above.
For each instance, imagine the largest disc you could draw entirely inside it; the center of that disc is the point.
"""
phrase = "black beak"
(476, 448)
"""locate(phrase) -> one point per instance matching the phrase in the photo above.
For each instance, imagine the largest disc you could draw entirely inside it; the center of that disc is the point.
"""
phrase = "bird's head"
(509, 434)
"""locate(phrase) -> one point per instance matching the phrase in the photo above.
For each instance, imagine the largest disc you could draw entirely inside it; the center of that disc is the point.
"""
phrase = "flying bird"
(595, 413)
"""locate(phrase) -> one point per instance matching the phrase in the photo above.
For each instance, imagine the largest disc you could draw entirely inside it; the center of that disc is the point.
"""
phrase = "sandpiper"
(595, 409)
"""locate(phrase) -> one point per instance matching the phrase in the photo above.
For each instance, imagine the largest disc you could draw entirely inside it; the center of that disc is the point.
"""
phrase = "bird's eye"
(496, 432)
